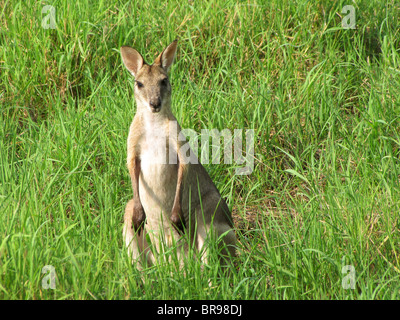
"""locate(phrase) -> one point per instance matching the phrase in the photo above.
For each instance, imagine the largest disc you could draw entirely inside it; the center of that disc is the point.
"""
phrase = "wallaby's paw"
(138, 217)
(177, 220)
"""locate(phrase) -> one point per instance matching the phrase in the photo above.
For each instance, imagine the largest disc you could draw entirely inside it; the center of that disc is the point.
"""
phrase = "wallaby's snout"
(155, 104)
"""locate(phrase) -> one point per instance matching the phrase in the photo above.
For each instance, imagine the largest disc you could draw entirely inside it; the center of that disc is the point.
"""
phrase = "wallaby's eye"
(139, 84)
(164, 82)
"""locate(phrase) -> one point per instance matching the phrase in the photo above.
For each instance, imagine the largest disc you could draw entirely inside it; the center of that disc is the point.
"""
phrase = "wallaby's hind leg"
(226, 245)
(215, 229)
(138, 248)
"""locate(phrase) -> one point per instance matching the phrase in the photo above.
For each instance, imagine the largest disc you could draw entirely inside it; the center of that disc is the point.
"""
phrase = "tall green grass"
(323, 102)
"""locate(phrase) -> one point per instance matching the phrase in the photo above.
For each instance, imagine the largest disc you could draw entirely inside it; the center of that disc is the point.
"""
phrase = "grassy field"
(323, 100)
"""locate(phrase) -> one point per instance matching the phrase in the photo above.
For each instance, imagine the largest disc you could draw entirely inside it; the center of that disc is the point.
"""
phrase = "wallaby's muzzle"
(155, 105)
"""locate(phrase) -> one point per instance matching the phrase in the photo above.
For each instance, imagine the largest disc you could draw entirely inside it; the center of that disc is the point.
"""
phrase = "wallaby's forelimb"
(177, 217)
(138, 215)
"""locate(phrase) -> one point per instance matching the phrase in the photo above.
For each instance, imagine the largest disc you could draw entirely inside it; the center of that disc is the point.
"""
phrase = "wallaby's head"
(152, 87)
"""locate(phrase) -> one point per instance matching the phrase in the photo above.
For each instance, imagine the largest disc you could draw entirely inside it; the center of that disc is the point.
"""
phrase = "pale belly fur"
(157, 187)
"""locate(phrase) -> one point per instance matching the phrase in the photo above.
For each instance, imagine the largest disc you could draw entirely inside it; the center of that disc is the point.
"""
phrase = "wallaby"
(170, 195)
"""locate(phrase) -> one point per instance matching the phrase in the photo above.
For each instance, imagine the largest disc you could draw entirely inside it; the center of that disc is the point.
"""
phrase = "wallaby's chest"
(157, 146)
(159, 170)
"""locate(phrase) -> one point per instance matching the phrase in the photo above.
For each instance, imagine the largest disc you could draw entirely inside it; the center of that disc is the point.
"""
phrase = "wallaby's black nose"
(155, 105)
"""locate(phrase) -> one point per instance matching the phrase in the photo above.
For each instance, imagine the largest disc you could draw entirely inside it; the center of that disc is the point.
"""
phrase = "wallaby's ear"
(166, 58)
(132, 59)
